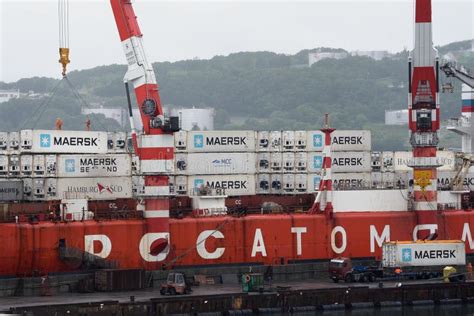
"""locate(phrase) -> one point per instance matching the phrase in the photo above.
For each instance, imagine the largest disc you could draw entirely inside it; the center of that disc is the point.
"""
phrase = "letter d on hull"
(104, 241)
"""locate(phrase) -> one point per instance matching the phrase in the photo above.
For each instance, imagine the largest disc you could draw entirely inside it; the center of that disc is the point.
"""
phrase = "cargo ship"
(163, 198)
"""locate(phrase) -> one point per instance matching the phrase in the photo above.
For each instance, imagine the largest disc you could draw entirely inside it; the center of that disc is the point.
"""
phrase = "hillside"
(251, 90)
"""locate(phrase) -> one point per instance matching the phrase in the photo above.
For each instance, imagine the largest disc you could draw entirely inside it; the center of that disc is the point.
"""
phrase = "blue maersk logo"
(198, 141)
(406, 254)
(316, 182)
(45, 140)
(318, 162)
(198, 183)
(70, 165)
(317, 140)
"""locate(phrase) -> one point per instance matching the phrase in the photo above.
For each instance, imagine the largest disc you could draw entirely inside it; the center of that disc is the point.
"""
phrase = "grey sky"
(176, 30)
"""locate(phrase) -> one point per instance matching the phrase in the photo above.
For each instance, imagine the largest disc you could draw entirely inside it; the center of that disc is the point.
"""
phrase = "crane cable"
(63, 18)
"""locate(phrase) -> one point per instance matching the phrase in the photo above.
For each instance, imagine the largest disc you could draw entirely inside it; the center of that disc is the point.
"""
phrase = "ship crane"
(458, 180)
(454, 71)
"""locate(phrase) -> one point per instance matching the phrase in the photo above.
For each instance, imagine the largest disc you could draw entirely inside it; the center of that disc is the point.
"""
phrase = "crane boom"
(451, 70)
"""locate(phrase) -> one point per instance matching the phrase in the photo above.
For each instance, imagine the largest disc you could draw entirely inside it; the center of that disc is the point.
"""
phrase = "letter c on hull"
(145, 247)
(201, 245)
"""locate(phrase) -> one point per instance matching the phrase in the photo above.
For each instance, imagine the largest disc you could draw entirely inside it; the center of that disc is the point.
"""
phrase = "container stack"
(38, 165)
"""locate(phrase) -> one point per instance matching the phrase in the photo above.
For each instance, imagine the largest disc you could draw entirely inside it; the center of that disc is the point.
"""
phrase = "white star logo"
(318, 141)
(45, 141)
(70, 166)
(198, 141)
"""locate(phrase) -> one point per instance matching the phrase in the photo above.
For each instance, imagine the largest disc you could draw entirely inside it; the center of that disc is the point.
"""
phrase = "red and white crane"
(423, 109)
(154, 144)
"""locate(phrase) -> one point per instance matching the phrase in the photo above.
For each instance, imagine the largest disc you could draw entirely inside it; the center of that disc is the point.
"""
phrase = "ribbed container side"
(215, 163)
(60, 141)
(88, 166)
(351, 140)
(351, 181)
(220, 141)
(231, 185)
(94, 188)
(403, 158)
(423, 254)
(11, 190)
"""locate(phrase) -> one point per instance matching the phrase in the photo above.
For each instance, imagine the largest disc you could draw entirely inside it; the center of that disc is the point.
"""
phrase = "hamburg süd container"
(104, 188)
(402, 160)
(423, 253)
(59, 141)
(221, 141)
(108, 165)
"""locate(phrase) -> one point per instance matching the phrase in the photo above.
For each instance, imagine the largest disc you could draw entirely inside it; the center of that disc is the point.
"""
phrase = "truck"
(176, 283)
(405, 260)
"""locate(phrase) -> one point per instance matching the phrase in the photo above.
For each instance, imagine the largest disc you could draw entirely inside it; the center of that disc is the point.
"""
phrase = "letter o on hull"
(342, 231)
(145, 247)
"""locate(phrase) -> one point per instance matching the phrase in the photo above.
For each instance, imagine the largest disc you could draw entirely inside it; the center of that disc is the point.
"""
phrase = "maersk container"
(263, 141)
(13, 140)
(288, 140)
(3, 141)
(402, 160)
(445, 180)
(26, 163)
(313, 182)
(288, 181)
(276, 183)
(343, 161)
(423, 253)
(11, 190)
(215, 163)
(39, 165)
(263, 162)
(301, 161)
(346, 161)
(180, 142)
(300, 140)
(105, 188)
(276, 161)
(89, 166)
(314, 141)
(14, 165)
(221, 141)
(181, 185)
(3, 165)
(351, 140)
(288, 162)
(59, 141)
(351, 181)
(301, 183)
(263, 183)
(51, 165)
(275, 141)
(231, 185)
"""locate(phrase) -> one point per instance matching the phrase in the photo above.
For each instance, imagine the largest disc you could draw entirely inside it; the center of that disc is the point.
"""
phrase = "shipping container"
(263, 183)
(351, 181)
(108, 165)
(3, 141)
(301, 161)
(288, 181)
(288, 161)
(215, 163)
(445, 180)
(94, 188)
(343, 161)
(263, 141)
(301, 183)
(26, 163)
(423, 253)
(3, 165)
(14, 165)
(314, 141)
(180, 142)
(275, 141)
(288, 140)
(51, 165)
(402, 159)
(387, 161)
(231, 185)
(313, 182)
(276, 161)
(11, 190)
(276, 183)
(221, 141)
(13, 141)
(59, 141)
(351, 140)
(300, 140)
(263, 162)
(39, 165)
(181, 185)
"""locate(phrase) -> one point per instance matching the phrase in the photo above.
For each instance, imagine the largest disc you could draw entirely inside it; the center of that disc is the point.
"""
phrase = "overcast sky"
(177, 30)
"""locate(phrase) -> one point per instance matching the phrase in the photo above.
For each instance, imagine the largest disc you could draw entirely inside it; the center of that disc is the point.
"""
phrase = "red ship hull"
(28, 249)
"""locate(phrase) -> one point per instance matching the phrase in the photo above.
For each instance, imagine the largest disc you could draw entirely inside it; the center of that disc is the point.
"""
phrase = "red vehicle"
(175, 284)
